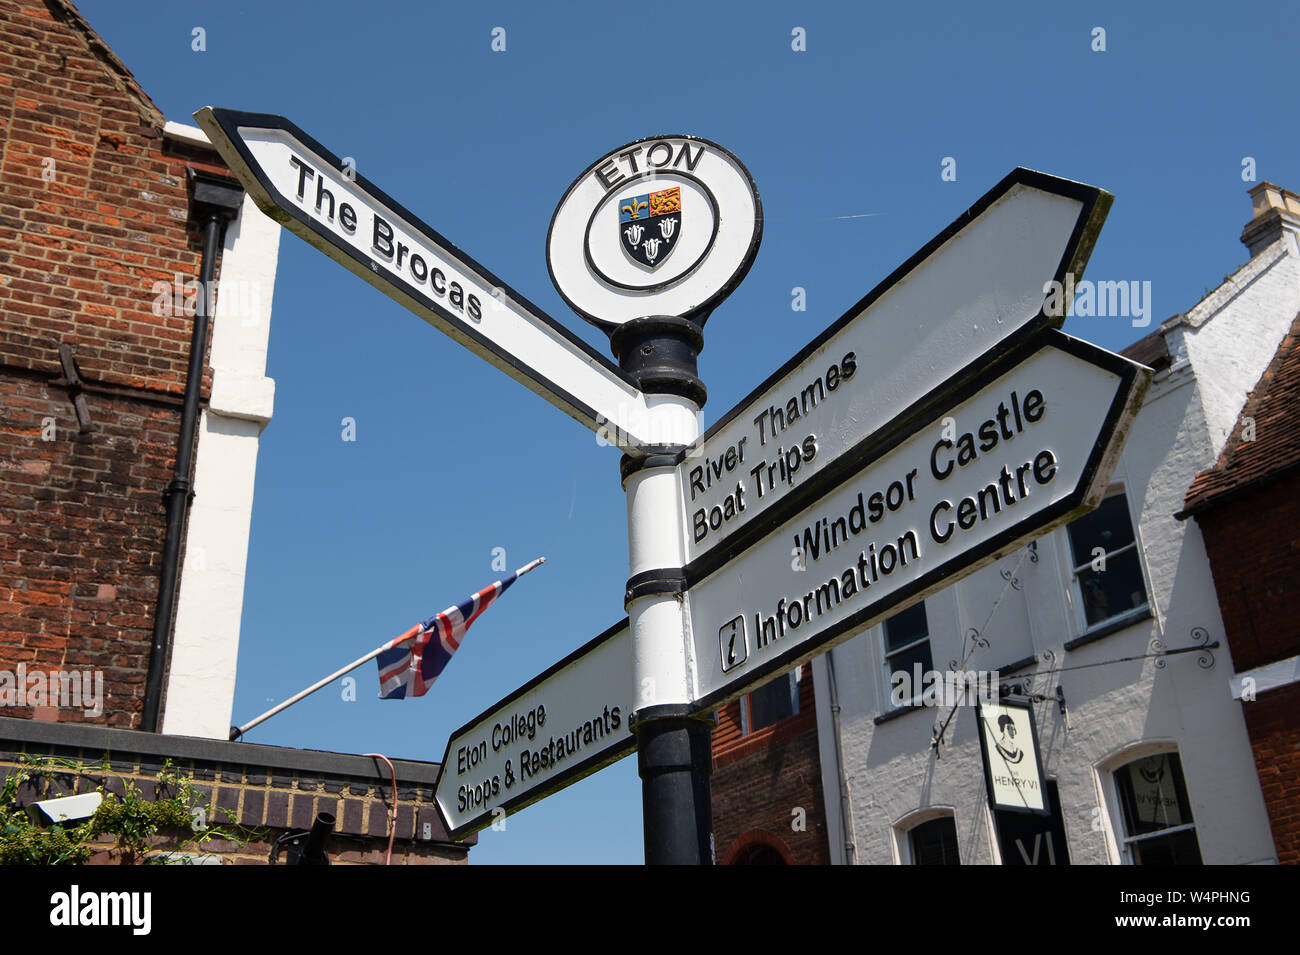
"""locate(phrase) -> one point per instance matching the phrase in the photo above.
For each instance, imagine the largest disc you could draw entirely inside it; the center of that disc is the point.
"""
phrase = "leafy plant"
(135, 823)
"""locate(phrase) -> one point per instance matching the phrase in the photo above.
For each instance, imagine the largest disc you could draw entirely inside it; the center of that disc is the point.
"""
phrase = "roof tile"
(1274, 408)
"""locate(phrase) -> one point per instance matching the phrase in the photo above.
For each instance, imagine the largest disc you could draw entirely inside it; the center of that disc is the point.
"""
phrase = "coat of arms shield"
(650, 225)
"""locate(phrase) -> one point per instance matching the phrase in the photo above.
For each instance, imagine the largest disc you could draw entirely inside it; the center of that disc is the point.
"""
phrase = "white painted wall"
(205, 645)
(1114, 712)
(1229, 356)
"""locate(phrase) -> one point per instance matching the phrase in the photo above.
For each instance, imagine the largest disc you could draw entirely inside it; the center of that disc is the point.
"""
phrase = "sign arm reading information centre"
(301, 184)
(1027, 445)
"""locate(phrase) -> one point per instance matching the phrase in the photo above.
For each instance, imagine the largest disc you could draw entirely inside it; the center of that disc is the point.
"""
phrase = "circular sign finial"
(667, 225)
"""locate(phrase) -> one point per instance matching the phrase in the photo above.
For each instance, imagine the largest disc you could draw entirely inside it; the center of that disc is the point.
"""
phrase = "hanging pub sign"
(1030, 839)
(1013, 770)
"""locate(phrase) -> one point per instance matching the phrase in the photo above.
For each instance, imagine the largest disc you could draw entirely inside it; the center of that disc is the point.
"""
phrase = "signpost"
(940, 423)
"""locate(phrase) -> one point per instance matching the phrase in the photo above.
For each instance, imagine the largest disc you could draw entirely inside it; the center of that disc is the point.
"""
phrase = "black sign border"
(1134, 379)
(1020, 703)
(596, 761)
(230, 120)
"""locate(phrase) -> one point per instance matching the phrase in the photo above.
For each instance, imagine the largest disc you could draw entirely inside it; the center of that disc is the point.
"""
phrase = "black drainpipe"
(216, 201)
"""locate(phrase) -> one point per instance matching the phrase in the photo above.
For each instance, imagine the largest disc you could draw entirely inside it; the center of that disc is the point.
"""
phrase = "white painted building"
(200, 688)
(1150, 757)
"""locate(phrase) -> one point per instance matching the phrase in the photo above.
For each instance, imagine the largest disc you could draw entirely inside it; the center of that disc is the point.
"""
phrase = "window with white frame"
(770, 703)
(933, 842)
(1155, 813)
(906, 639)
(1105, 563)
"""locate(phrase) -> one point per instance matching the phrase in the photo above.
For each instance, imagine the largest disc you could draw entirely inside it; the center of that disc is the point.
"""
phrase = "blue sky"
(353, 542)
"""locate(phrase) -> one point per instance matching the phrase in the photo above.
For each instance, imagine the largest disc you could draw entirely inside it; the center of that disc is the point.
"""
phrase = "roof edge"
(64, 11)
(95, 737)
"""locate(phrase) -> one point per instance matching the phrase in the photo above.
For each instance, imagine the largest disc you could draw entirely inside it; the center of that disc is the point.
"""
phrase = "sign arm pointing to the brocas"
(324, 201)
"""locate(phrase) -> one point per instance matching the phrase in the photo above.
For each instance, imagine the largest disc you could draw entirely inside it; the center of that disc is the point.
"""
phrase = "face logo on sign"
(649, 225)
(1006, 741)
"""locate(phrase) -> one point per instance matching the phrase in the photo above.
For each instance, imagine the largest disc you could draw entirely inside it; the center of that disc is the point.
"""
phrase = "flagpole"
(238, 731)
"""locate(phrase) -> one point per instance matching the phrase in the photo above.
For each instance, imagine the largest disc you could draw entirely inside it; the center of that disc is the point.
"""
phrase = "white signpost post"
(940, 423)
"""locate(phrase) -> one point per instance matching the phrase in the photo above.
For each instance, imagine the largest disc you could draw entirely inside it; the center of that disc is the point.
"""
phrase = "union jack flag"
(411, 663)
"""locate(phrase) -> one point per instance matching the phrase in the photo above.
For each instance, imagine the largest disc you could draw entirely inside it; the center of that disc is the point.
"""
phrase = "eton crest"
(650, 225)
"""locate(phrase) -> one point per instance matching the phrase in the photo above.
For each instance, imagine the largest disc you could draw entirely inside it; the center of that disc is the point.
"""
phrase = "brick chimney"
(1274, 209)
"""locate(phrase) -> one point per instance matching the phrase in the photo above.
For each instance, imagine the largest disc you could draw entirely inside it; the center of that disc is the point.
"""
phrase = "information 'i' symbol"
(732, 643)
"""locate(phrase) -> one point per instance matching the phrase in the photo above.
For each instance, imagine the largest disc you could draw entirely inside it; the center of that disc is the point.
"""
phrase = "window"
(770, 703)
(757, 847)
(1157, 819)
(1104, 559)
(906, 637)
(759, 854)
(934, 842)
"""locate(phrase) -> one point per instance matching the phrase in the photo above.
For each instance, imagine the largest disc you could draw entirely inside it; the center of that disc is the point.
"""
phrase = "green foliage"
(133, 821)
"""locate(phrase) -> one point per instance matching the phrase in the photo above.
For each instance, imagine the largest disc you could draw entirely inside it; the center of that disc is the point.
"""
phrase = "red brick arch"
(753, 839)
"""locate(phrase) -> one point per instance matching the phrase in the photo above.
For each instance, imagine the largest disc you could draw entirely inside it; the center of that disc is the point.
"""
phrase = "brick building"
(1248, 509)
(766, 787)
(127, 461)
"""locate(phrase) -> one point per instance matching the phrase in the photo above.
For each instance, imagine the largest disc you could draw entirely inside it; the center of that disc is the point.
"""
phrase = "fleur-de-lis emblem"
(651, 247)
(634, 210)
(633, 233)
(667, 228)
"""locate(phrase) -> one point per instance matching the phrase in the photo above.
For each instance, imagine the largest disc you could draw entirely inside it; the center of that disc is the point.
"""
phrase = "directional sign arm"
(561, 726)
(1026, 446)
(975, 291)
(313, 193)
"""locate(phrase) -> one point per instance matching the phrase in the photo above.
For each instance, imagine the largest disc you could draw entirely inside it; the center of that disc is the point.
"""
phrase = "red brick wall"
(81, 536)
(1254, 553)
(81, 516)
(1274, 729)
(81, 252)
(760, 780)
